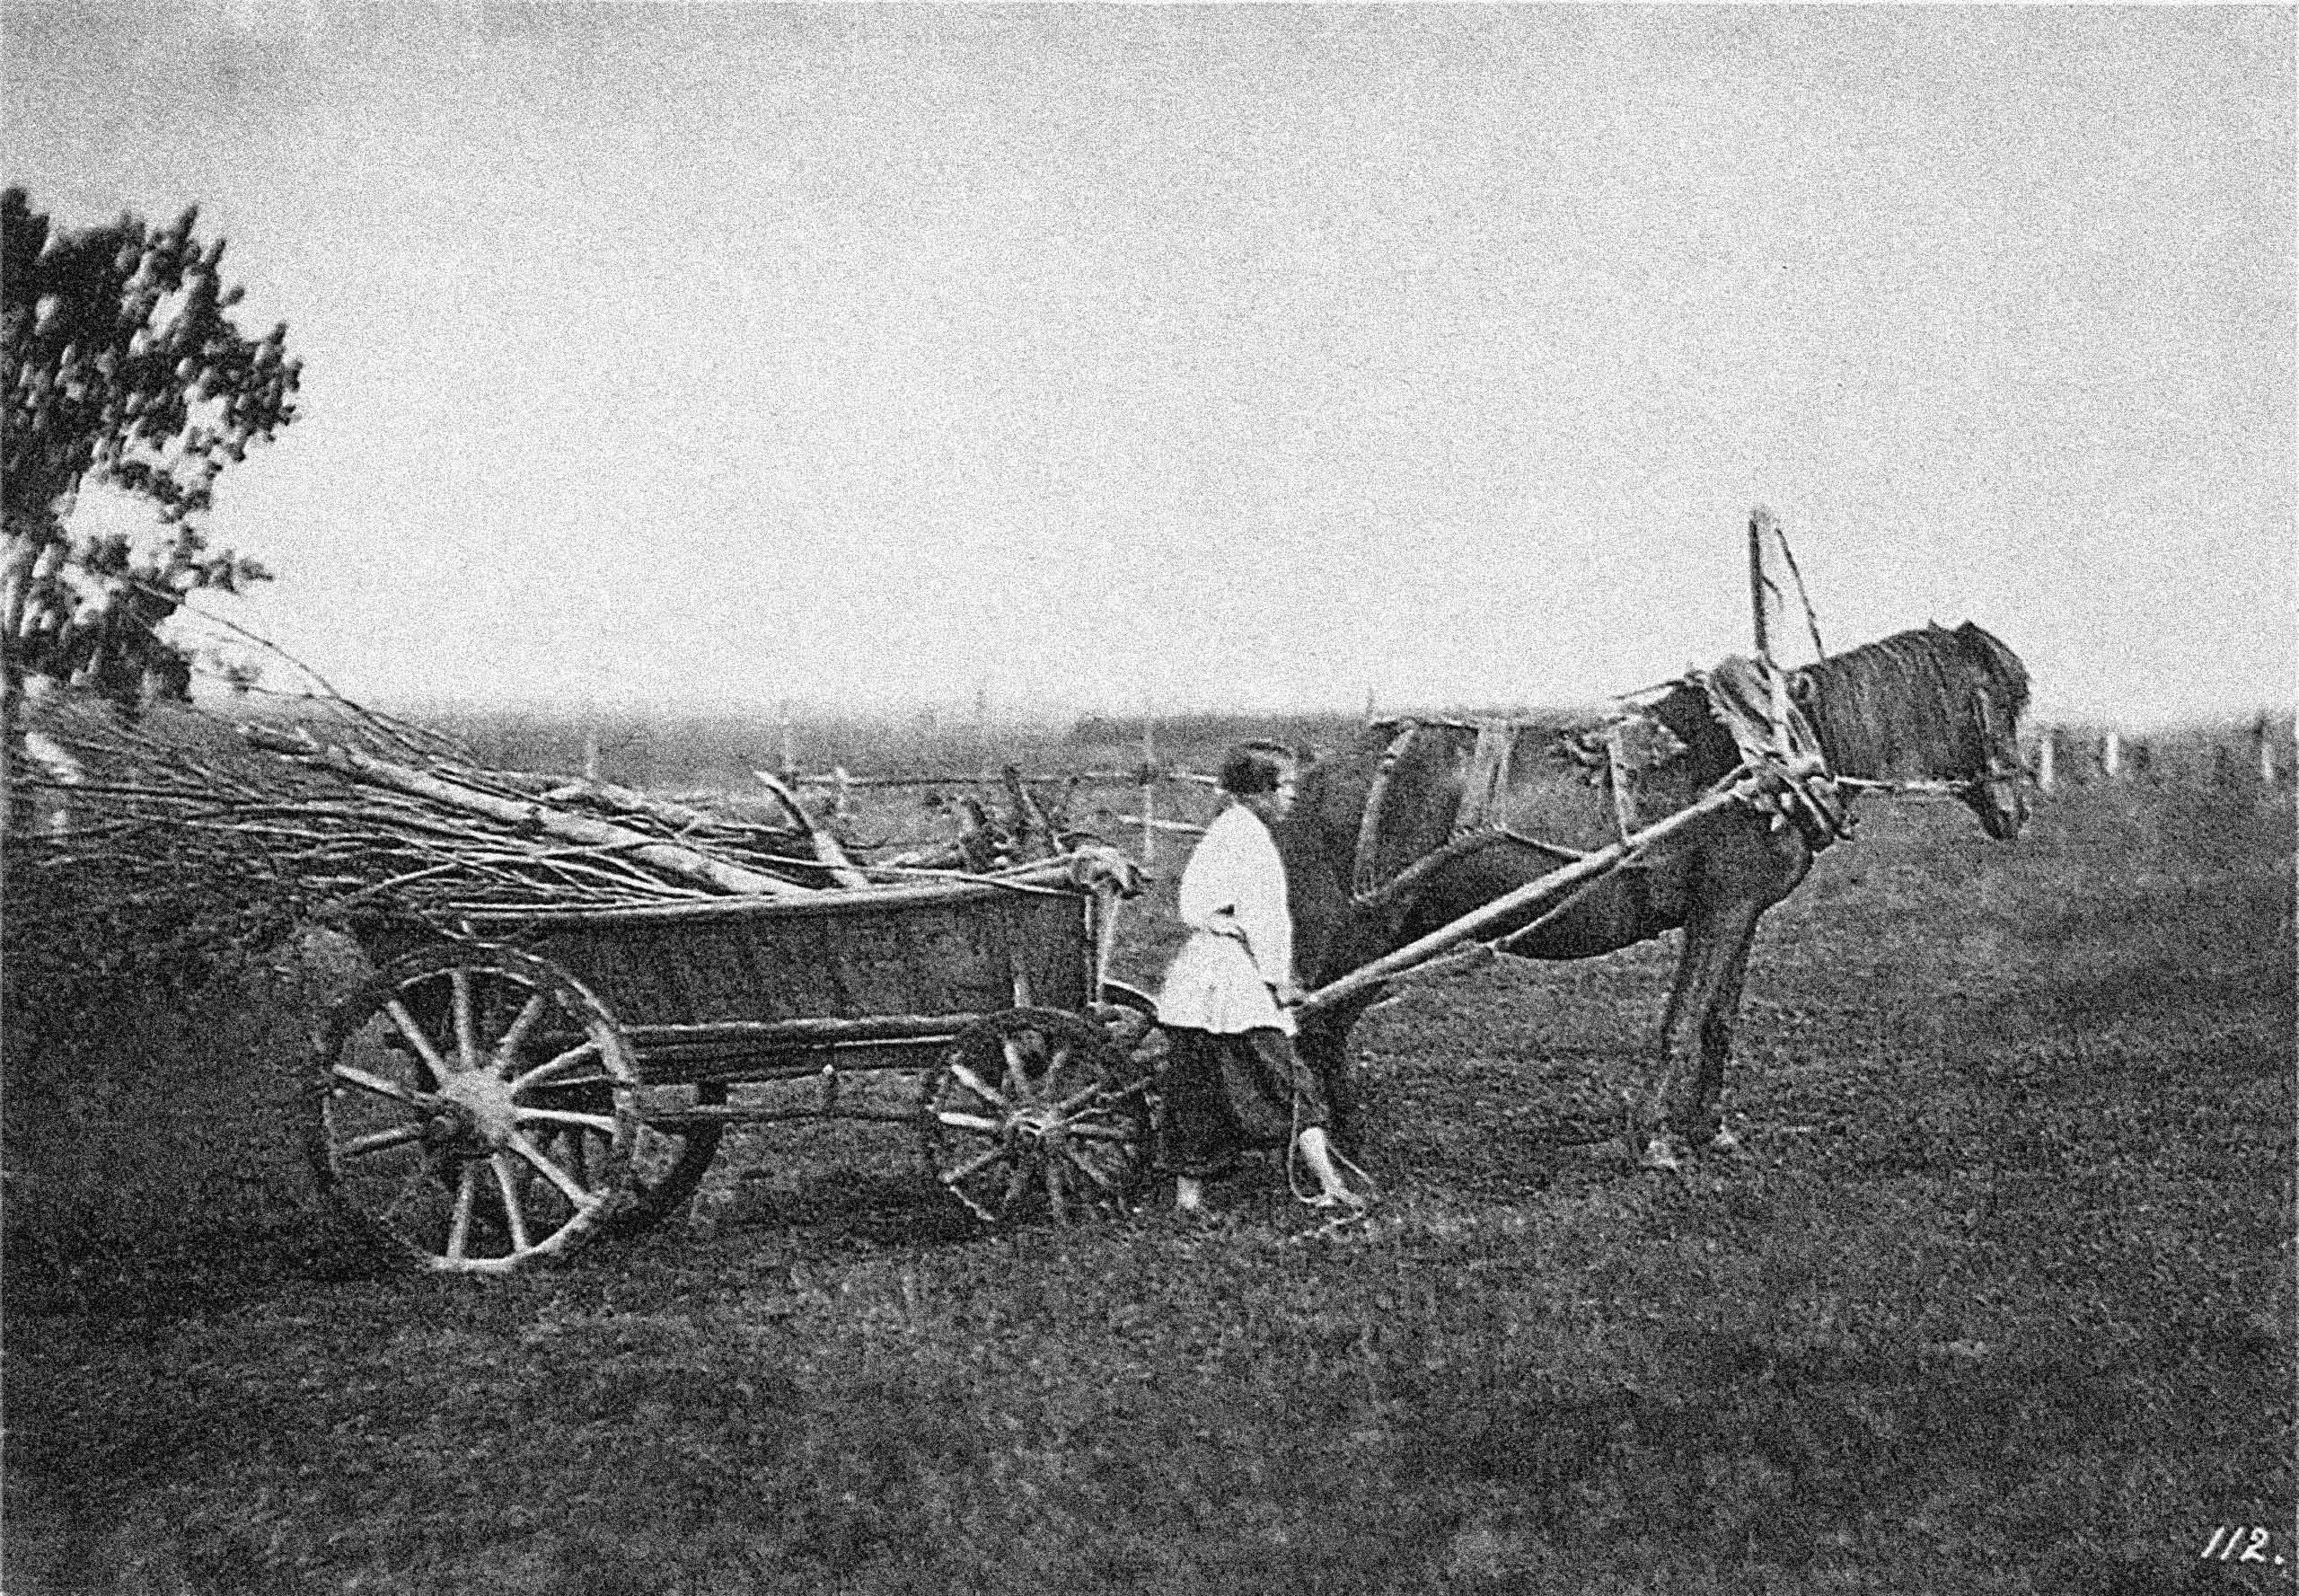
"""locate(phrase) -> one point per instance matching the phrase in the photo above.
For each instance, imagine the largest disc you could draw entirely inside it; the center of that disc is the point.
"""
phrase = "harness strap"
(1487, 775)
(1620, 776)
(1388, 892)
(1364, 879)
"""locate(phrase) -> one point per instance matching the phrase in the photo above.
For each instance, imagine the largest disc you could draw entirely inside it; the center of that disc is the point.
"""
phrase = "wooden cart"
(496, 1096)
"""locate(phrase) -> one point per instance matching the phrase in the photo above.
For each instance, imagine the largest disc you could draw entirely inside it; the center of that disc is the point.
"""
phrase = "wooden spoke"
(1016, 1185)
(979, 1086)
(974, 1166)
(507, 1048)
(1060, 1095)
(1108, 1185)
(1070, 1105)
(550, 1171)
(466, 1031)
(600, 1123)
(580, 1054)
(578, 1157)
(418, 1040)
(473, 1023)
(459, 1227)
(377, 1084)
(514, 1214)
(377, 1140)
(1089, 1131)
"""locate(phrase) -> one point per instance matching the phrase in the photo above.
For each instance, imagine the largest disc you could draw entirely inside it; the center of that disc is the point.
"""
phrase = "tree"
(123, 365)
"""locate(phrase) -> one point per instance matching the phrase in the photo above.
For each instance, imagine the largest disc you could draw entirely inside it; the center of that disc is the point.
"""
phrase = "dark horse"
(1463, 814)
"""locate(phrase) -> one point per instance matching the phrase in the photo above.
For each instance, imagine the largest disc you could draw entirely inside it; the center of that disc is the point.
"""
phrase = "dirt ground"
(2003, 1302)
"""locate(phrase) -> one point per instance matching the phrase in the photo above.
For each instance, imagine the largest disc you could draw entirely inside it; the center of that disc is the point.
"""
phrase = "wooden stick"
(1151, 823)
(827, 848)
(668, 857)
(1029, 815)
(1766, 597)
(607, 795)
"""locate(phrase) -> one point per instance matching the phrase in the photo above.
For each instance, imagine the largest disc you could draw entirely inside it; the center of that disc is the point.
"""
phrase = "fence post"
(2046, 758)
(2111, 754)
(2263, 750)
(1149, 789)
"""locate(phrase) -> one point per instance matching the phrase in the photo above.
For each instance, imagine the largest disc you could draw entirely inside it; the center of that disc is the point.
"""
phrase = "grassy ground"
(2004, 1301)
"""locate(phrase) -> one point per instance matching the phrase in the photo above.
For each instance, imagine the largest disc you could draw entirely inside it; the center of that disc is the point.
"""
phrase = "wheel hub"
(483, 1105)
(1036, 1124)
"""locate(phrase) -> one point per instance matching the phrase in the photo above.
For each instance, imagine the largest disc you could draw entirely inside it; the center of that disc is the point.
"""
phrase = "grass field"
(2003, 1302)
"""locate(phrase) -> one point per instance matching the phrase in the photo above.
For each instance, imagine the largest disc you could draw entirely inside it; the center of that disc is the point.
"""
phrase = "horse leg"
(1675, 1097)
(1716, 1029)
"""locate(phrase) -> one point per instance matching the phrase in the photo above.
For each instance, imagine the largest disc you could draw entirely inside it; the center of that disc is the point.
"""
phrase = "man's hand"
(1288, 993)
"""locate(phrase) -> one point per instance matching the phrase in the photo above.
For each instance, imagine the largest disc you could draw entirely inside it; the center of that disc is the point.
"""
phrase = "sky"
(1153, 359)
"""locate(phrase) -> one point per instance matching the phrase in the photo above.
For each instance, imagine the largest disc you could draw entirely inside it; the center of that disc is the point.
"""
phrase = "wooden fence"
(2259, 755)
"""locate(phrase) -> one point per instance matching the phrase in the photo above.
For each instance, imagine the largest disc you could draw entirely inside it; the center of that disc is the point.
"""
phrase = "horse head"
(1995, 687)
(1924, 707)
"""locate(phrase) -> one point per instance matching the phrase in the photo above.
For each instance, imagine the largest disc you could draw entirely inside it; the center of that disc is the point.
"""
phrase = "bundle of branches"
(246, 830)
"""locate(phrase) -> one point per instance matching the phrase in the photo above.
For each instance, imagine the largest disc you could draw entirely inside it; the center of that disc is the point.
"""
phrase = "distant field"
(2005, 1303)
(719, 751)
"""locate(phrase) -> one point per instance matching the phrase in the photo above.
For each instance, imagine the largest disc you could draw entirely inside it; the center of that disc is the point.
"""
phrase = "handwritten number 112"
(2224, 1542)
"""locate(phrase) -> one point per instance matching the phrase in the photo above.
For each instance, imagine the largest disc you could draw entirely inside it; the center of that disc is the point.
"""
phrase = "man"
(1233, 1079)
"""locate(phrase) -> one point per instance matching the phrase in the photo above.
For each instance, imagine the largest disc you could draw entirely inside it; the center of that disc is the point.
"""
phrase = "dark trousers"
(1228, 1091)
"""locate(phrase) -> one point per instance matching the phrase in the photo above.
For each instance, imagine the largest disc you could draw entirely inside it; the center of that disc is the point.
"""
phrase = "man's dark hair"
(1253, 767)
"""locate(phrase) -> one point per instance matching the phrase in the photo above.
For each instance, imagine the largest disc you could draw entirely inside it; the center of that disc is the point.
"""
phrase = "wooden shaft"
(718, 1114)
(1533, 895)
(801, 1032)
(668, 857)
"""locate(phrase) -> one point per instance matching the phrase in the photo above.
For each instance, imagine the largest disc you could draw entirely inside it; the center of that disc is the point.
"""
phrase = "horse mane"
(1901, 706)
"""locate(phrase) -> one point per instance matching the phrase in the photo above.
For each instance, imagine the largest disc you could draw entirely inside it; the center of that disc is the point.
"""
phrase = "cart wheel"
(1031, 1110)
(478, 1108)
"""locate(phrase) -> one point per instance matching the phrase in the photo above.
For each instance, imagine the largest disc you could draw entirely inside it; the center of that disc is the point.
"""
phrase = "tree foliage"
(123, 365)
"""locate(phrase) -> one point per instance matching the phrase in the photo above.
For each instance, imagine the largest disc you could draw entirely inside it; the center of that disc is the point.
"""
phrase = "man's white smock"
(1240, 948)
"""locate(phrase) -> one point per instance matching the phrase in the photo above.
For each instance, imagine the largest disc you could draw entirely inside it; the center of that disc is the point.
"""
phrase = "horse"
(1423, 822)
